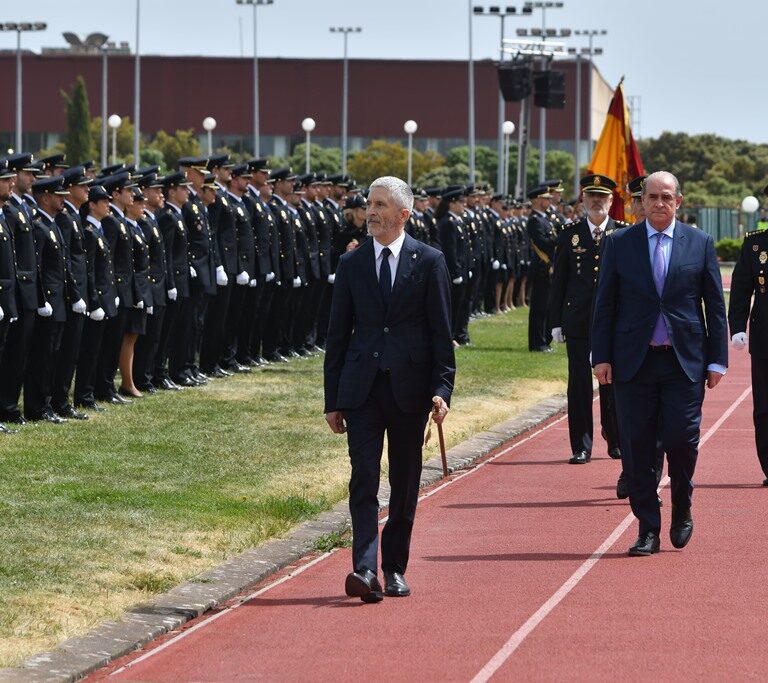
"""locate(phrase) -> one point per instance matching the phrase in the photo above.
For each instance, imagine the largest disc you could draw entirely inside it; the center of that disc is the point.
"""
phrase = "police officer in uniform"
(325, 227)
(454, 242)
(308, 314)
(749, 302)
(8, 305)
(71, 228)
(574, 280)
(543, 240)
(556, 218)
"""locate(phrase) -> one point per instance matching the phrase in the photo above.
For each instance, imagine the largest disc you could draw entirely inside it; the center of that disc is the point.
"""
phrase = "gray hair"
(663, 175)
(397, 188)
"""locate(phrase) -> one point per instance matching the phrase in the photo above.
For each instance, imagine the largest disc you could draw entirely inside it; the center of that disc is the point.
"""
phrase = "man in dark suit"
(659, 332)
(577, 264)
(389, 359)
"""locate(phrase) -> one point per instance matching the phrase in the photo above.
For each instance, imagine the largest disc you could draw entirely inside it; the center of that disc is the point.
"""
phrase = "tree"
(182, 143)
(77, 141)
(124, 139)
(382, 158)
(322, 159)
(486, 162)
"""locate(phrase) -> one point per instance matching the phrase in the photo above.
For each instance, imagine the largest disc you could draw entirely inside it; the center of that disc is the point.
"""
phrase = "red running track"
(519, 572)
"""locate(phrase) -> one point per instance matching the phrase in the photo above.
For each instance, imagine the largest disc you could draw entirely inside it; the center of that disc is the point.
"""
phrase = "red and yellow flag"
(616, 154)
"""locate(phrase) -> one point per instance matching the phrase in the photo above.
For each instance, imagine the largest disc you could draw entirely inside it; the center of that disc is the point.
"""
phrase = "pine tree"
(78, 141)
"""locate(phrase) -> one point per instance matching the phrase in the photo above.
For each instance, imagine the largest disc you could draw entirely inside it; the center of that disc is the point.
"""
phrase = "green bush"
(728, 249)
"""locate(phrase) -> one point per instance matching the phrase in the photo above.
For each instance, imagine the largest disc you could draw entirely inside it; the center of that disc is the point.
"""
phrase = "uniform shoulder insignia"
(755, 233)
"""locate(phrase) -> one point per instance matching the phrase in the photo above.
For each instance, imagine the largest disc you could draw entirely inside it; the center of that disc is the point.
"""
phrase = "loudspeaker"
(550, 89)
(515, 82)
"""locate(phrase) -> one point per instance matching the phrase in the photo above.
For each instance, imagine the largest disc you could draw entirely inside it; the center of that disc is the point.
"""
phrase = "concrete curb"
(79, 656)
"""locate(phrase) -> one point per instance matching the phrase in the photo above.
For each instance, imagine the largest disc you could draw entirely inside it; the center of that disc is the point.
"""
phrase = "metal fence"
(721, 223)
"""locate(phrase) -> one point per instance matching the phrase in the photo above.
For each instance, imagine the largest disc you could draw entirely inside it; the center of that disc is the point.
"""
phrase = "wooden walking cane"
(440, 437)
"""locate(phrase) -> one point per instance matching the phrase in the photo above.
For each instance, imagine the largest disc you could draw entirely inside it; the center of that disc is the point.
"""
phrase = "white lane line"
(537, 617)
(303, 568)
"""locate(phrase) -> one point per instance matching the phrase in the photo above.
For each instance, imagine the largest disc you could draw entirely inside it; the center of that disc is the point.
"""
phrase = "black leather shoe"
(185, 381)
(581, 458)
(395, 585)
(646, 544)
(291, 353)
(364, 585)
(615, 453)
(70, 413)
(314, 349)
(260, 360)
(544, 349)
(622, 488)
(118, 400)
(166, 384)
(238, 369)
(91, 405)
(199, 377)
(276, 358)
(304, 353)
(681, 529)
(7, 430)
(15, 419)
(47, 416)
(217, 373)
(147, 388)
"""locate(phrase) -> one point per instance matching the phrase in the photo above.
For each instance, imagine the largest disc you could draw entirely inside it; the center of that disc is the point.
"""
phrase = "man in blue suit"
(389, 360)
(659, 333)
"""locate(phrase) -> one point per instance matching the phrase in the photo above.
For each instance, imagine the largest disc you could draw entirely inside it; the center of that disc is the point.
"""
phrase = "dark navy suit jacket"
(412, 338)
(627, 305)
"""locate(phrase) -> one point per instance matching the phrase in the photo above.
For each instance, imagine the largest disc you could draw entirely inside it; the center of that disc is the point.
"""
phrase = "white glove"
(139, 305)
(503, 266)
(739, 340)
(77, 307)
(557, 335)
(45, 311)
(13, 320)
(172, 294)
(470, 274)
(97, 315)
(458, 280)
(331, 278)
(253, 282)
(242, 278)
(117, 301)
(192, 272)
(495, 264)
(150, 310)
(221, 277)
(296, 282)
(2, 313)
(270, 277)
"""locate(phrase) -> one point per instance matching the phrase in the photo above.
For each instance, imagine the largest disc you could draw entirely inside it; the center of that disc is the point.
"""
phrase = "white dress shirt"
(394, 256)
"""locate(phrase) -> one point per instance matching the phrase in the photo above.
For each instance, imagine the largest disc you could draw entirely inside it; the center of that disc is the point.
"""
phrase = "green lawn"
(98, 516)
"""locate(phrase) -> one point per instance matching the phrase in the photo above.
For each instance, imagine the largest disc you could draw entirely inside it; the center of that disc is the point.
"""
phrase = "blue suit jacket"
(627, 305)
(412, 338)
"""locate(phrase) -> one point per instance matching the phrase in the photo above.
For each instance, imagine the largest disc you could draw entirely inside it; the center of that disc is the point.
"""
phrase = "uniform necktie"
(597, 234)
(660, 335)
(385, 277)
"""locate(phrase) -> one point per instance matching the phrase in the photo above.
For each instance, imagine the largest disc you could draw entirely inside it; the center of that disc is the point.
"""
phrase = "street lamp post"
(308, 125)
(255, 3)
(137, 89)
(507, 128)
(345, 31)
(410, 127)
(20, 28)
(471, 99)
(496, 11)
(591, 50)
(114, 123)
(209, 123)
(104, 86)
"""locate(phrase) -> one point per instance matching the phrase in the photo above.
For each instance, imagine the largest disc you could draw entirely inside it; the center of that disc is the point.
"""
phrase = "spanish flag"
(616, 154)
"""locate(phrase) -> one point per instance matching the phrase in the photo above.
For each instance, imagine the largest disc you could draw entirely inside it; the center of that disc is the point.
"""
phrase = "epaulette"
(622, 224)
(754, 233)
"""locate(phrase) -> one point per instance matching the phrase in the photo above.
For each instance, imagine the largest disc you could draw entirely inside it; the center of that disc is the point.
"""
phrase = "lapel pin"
(413, 256)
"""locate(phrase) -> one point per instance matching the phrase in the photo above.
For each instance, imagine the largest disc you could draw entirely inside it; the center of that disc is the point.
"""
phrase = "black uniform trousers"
(278, 324)
(539, 333)
(69, 352)
(145, 351)
(458, 307)
(168, 328)
(305, 328)
(760, 408)
(236, 311)
(187, 333)
(247, 324)
(260, 333)
(38, 382)
(366, 426)
(109, 355)
(659, 400)
(13, 364)
(87, 362)
(214, 327)
(324, 314)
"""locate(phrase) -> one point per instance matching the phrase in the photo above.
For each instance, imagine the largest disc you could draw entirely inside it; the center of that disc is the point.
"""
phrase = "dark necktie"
(385, 277)
(597, 234)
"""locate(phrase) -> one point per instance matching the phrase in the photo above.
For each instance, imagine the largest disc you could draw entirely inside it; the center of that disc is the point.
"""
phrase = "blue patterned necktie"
(385, 277)
(660, 334)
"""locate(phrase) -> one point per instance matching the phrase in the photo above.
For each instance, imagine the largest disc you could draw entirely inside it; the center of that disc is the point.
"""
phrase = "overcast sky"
(697, 67)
